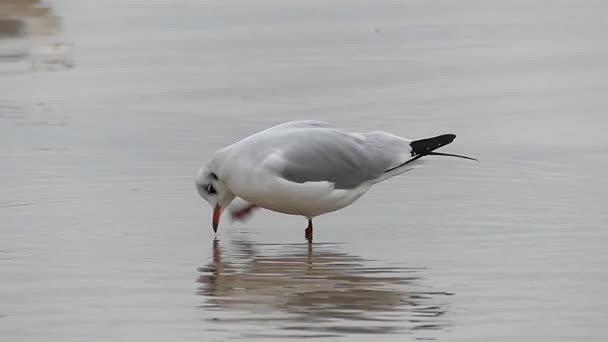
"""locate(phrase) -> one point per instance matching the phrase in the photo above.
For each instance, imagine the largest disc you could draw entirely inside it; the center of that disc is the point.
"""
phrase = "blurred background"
(107, 110)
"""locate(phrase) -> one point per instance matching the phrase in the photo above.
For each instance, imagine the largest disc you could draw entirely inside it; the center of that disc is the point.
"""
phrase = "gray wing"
(347, 160)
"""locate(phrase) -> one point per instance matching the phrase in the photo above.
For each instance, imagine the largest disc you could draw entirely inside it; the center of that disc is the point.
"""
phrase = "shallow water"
(106, 114)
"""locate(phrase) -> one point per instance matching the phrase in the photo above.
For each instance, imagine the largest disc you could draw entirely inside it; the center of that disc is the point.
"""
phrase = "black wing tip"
(445, 138)
(424, 146)
(450, 136)
(451, 155)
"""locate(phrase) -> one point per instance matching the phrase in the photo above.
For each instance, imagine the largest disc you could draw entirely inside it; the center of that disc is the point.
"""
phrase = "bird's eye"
(210, 189)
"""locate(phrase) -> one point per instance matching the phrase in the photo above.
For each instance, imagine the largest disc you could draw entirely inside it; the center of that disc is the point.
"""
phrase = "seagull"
(307, 168)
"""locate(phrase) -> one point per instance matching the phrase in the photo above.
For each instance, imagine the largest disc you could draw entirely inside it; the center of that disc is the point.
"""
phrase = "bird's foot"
(243, 213)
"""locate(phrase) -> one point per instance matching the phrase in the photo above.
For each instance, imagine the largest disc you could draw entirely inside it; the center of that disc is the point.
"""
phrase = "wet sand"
(106, 114)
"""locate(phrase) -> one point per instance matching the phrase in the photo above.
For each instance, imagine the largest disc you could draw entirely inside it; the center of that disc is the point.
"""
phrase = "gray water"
(107, 109)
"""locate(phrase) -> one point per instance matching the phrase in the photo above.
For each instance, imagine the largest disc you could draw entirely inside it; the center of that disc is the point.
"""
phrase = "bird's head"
(214, 191)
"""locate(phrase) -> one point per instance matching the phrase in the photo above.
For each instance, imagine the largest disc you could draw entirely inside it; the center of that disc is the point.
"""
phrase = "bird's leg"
(242, 213)
(308, 231)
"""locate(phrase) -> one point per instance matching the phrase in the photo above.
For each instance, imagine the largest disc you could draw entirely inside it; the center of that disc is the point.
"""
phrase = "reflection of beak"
(216, 217)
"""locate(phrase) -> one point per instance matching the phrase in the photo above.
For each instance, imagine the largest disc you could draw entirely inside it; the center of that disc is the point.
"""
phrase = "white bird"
(307, 168)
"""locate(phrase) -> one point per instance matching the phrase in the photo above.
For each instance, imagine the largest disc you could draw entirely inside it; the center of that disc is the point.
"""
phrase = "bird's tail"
(425, 147)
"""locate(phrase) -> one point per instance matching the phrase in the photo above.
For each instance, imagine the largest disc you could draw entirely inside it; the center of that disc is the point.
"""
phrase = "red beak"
(216, 217)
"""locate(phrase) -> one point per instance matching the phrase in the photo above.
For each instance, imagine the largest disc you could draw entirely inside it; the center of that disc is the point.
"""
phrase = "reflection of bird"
(324, 285)
(307, 168)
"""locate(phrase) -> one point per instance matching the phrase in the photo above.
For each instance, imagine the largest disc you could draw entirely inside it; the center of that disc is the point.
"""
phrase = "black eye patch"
(213, 175)
(210, 189)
